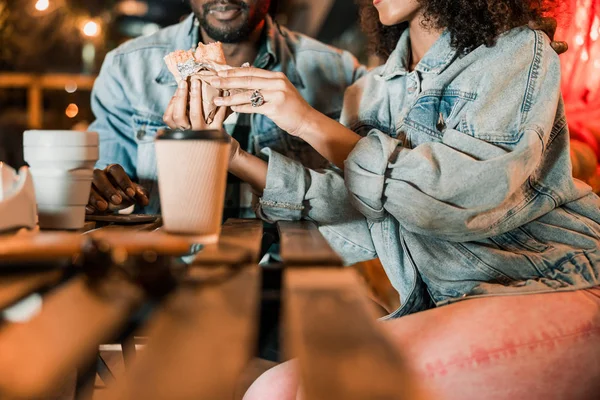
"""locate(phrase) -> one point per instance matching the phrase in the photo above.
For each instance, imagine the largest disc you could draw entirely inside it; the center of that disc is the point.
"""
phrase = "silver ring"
(257, 99)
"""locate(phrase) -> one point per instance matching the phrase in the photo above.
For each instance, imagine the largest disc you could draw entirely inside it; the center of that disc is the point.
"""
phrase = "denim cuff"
(365, 173)
(283, 197)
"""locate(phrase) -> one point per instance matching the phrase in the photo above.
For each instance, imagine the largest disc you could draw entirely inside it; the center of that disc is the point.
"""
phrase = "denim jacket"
(462, 183)
(134, 87)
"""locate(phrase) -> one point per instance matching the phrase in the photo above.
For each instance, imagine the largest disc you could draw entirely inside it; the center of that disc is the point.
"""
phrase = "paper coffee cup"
(62, 165)
(192, 177)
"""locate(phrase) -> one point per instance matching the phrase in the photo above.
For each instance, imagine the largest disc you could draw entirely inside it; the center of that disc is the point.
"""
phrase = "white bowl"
(40, 138)
(62, 187)
(62, 158)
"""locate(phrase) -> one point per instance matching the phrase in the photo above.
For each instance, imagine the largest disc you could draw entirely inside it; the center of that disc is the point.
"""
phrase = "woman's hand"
(282, 102)
(177, 116)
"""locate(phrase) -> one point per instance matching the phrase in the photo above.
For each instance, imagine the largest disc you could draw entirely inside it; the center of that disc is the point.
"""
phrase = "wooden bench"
(331, 328)
(204, 332)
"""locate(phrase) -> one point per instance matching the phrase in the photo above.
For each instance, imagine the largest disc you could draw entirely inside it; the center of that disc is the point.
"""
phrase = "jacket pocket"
(433, 112)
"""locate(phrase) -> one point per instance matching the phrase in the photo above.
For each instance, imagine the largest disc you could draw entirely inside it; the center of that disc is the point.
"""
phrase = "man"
(134, 88)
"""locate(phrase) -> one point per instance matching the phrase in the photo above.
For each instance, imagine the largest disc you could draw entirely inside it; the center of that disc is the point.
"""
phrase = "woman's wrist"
(249, 169)
(310, 124)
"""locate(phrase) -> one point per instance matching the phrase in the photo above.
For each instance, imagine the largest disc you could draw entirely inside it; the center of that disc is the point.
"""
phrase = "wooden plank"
(38, 355)
(11, 80)
(14, 287)
(58, 81)
(199, 343)
(239, 243)
(47, 81)
(303, 245)
(38, 246)
(343, 352)
(244, 233)
(35, 107)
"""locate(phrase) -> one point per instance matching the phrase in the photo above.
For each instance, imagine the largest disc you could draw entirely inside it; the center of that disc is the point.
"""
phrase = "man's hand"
(113, 190)
(177, 115)
(548, 26)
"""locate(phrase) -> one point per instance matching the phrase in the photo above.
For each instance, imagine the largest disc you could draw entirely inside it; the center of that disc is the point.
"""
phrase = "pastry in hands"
(200, 64)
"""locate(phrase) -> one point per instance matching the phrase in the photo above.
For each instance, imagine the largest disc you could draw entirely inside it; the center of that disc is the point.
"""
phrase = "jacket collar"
(436, 60)
(274, 49)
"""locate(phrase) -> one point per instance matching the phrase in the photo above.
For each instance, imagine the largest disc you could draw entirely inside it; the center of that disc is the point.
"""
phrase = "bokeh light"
(42, 5)
(71, 87)
(72, 110)
(91, 29)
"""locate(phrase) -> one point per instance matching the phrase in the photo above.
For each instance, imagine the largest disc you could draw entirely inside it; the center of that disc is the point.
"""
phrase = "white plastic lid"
(59, 138)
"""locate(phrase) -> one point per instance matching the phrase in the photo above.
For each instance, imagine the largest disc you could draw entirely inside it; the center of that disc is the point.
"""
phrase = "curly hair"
(471, 23)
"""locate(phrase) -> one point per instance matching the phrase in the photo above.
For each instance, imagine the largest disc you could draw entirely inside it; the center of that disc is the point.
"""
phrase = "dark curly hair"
(471, 23)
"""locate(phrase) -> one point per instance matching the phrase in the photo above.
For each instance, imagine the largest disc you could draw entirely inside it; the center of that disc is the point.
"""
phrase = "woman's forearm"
(251, 170)
(330, 138)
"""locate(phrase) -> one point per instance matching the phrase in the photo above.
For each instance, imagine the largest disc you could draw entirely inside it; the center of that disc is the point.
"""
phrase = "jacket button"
(140, 134)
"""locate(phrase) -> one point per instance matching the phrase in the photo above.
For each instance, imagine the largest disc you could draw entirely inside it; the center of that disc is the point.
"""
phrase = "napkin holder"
(17, 199)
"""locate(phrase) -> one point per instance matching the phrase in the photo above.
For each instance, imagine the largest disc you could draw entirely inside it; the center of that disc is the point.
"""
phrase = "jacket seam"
(533, 76)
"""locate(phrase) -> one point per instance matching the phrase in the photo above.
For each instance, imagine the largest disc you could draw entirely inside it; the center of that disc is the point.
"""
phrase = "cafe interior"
(190, 302)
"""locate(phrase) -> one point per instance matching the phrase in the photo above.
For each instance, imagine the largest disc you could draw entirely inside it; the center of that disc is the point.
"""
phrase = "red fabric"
(581, 68)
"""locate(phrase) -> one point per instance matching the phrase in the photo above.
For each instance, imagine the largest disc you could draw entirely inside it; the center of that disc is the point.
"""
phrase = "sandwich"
(199, 64)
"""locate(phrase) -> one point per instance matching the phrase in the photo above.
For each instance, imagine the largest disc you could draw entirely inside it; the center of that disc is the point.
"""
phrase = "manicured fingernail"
(214, 82)
(218, 101)
(181, 84)
(130, 192)
(101, 205)
(89, 210)
(116, 199)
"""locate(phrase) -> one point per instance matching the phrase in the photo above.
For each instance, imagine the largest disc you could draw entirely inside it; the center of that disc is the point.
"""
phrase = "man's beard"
(234, 34)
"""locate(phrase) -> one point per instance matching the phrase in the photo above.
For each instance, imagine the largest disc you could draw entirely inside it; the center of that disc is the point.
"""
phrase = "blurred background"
(51, 50)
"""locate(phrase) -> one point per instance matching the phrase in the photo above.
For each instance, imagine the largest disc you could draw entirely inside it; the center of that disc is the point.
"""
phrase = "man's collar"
(278, 50)
(274, 50)
(437, 58)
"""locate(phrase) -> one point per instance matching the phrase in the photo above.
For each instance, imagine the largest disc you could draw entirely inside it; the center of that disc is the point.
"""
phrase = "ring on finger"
(257, 99)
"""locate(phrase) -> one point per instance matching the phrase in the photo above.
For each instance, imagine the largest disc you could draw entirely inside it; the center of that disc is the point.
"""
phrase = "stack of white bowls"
(62, 166)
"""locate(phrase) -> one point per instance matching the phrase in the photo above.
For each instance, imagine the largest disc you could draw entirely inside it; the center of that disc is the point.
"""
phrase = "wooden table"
(204, 332)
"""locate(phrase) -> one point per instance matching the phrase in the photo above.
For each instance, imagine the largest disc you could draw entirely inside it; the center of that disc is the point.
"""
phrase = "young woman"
(456, 174)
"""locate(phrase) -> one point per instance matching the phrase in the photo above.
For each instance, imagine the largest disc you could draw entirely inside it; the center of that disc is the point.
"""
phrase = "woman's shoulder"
(516, 84)
(516, 50)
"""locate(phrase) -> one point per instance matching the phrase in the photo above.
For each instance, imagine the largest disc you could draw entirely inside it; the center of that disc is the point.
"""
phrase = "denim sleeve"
(113, 113)
(462, 188)
(353, 69)
(294, 192)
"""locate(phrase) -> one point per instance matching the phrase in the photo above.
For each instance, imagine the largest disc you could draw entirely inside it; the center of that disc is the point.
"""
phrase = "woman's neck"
(421, 39)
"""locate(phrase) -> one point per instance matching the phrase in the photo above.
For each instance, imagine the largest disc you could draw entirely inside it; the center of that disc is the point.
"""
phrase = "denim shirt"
(134, 88)
(462, 183)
